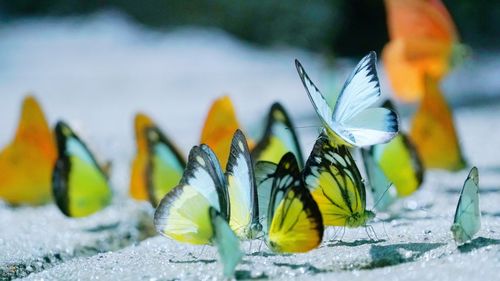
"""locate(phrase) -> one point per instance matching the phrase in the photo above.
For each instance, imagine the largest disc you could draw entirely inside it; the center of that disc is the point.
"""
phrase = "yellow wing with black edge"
(26, 163)
(165, 165)
(79, 184)
(336, 184)
(244, 208)
(279, 138)
(294, 220)
(183, 214)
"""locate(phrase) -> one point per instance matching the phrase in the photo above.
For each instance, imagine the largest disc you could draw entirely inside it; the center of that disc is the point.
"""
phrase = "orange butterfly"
(26, 163)
(433, 131)
(422, 36)
(138, 188)
(219, 128)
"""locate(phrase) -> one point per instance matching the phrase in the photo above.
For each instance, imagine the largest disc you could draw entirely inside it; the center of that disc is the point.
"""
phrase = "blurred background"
(325, 26)
(96, 63)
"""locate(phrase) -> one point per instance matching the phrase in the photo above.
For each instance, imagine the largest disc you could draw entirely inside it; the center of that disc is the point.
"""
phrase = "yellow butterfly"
(294, 223)
(336, 185)
(79, 183)
(433, 131)
(242, 190)
(279, 138)
(220, 125)
(26, 163)
(183, 214)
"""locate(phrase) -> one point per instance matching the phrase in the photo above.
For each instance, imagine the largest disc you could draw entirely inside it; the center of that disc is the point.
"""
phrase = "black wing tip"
(393, 121)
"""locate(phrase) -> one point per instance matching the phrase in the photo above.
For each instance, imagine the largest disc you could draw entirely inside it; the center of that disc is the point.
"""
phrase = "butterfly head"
(254, 230)
(360, 219)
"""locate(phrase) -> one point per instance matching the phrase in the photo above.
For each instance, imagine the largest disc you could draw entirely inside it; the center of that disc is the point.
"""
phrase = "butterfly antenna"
(304, 127)
(382, 196)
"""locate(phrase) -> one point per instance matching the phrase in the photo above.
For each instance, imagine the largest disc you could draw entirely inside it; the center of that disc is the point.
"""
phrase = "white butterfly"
(352, 122)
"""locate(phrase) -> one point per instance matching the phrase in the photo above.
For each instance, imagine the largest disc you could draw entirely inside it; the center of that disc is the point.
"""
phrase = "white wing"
(360, 91)
(371, 126)
(467, 220)
(319, 102)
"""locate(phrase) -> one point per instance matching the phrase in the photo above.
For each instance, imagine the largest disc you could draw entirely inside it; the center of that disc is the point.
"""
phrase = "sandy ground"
(98, 73)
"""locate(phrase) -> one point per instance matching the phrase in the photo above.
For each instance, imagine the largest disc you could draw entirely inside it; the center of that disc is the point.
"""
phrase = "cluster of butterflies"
(230, 188)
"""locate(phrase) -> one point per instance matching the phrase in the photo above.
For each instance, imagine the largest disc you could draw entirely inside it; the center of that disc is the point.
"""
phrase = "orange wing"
(26, 163)
(138, 188)
(433, 131)
(219, 128)
(422, 36)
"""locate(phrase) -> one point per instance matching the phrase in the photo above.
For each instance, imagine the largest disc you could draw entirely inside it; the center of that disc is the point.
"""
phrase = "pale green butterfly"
(467, 220)
(227, 243)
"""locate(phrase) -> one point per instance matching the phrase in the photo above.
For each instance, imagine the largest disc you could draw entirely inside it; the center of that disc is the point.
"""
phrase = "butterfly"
(433, 132)
(220, 125)
(227, 243)
(279, 138)
(467, 221)
(138, 183)
(336, 184)
(351, 122)
(80, 185)
(183, 213)
(399, 162)
(242, 191)
(164, 166)
(294, 223)
(26, 163)
(423, 40)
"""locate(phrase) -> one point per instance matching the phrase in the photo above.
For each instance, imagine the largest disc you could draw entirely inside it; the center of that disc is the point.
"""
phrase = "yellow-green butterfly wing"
(294, 221)
(242, 191)
(183, 214)
(165, 165)
(227, 243)
(336, 184)
(383, 191)
(467, 221)
(279, 138)
(79, 184)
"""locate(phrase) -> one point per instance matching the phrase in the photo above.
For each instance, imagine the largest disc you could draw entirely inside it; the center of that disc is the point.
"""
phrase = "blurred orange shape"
(26, 163)
(138, 187)
(433, 131)
(219, 128)
(422, 36)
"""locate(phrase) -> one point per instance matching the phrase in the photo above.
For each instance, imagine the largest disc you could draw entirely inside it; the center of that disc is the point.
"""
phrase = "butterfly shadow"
(247, 275)
(303, 267)
(390, 255)
(354, 243)
(477, 243)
